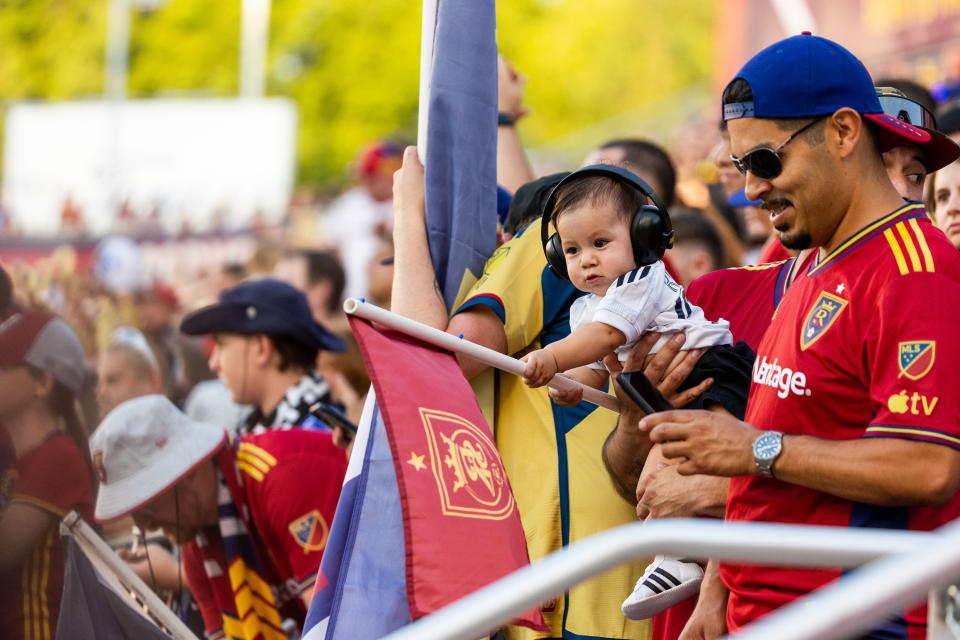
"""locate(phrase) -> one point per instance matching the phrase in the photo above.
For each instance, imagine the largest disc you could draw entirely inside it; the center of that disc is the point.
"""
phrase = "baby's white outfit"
(648, 299)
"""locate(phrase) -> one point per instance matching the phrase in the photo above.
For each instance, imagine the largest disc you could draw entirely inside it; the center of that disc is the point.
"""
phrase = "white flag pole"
(456, 344)
(428, 32)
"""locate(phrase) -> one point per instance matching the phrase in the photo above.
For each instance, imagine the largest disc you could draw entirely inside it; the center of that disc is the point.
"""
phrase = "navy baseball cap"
(266, 306)
(807, 76)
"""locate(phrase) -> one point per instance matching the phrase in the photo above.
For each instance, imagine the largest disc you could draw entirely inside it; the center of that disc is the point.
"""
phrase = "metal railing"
(782, 545)
(860, 600)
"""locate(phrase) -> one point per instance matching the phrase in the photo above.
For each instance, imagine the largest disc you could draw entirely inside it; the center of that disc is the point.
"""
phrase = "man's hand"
(664, 493)
(626, 448)
(510, 86)
(540, 369)
(408, 188)
(708, 620)
(667, 369)
(708, 442)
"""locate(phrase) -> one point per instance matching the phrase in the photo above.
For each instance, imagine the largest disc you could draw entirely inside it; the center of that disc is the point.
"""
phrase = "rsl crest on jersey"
(821, 317)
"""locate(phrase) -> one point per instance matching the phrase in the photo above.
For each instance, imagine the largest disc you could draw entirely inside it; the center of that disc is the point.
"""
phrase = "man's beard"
(796, 240)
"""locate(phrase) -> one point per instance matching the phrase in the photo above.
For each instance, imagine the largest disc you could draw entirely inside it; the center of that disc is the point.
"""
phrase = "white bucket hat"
(142, 448)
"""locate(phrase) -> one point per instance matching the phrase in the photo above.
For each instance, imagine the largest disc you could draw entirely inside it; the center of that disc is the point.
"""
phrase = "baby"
(593, 211)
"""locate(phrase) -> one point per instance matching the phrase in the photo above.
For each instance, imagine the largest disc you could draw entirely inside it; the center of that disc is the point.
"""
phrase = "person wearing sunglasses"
(908, 165)
(851, 419)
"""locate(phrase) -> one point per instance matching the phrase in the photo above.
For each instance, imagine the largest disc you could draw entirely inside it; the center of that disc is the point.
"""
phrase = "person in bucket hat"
(252, 514)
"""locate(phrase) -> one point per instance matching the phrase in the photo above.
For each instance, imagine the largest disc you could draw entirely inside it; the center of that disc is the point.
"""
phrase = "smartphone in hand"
(639, 389)
(332, 416)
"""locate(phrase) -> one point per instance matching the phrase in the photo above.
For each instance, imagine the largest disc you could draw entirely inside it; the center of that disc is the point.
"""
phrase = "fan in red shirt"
(748, 296)
(850, 421)
(253, 514)
(44, 473)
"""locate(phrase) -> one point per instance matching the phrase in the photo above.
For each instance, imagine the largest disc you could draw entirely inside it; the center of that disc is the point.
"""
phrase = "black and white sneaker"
(666, 582)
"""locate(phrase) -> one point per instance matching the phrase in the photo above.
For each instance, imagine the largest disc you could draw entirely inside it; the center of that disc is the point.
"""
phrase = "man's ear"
(702, 263)
(263, 350)
(45, 384)
(846, 131)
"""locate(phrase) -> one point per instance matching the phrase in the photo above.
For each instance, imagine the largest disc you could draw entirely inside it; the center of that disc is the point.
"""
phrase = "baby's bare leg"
(591, 377)
(584, 375)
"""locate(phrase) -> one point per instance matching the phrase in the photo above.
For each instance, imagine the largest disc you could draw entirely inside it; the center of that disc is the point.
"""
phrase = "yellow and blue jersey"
(552, 454)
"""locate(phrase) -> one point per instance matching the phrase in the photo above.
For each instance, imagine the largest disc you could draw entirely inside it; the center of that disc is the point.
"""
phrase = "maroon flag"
(461, 526)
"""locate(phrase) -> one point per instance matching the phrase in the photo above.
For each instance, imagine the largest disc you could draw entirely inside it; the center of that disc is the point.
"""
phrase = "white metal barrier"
(782, 545)
(858, 601)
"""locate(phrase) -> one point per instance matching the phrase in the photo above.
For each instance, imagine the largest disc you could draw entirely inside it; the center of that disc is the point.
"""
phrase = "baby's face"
(596, 246)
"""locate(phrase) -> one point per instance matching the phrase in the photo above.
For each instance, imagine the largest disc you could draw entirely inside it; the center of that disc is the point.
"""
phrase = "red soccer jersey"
(853, 352)
(291, 481)
(746, 297)
(54, 478)
(773, 251)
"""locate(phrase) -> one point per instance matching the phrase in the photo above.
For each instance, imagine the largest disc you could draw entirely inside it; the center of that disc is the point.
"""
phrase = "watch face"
(767, 446)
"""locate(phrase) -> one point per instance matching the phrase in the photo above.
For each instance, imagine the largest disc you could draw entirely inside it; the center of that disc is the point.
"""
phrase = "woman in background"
(47, 471)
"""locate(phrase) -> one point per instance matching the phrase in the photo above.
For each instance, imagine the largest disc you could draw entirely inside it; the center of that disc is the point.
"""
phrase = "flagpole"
(489, 357)
(428, 30)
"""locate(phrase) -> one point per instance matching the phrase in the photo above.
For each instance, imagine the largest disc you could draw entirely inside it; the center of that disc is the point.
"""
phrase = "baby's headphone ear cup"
(553, 249)
(649, 235)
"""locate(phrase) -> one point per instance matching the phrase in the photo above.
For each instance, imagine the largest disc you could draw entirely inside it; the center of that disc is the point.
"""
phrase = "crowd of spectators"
(206, 423)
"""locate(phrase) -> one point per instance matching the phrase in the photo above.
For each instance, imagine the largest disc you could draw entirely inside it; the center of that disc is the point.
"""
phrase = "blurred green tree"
(352, 67)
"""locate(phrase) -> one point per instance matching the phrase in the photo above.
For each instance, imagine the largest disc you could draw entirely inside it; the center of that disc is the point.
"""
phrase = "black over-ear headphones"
(650, 230)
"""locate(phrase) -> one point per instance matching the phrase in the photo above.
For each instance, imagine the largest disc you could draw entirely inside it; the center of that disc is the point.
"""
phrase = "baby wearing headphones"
(608, 243)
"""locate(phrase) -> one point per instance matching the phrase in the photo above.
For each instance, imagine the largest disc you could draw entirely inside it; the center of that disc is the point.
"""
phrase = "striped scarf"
(251, 605)
(296, 409)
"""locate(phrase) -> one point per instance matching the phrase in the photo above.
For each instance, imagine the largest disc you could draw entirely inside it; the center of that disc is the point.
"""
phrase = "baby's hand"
(566, 398)
(540, 369)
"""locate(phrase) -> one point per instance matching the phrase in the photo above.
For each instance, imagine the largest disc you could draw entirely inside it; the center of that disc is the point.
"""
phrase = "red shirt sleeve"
(54, 477)
(911, 351)
(296, 499)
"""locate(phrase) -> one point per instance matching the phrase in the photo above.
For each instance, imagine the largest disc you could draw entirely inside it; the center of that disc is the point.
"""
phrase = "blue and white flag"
(360, 590)
(461, 162)
(361, 587)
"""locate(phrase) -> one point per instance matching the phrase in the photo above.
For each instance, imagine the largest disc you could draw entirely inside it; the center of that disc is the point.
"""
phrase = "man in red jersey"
(850, 421)
(252, 514)
(747, 297)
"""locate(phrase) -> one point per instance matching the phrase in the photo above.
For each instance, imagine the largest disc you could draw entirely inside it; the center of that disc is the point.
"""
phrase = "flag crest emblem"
(824, 313)
(471, 481)
(310, 531)
(916, 358)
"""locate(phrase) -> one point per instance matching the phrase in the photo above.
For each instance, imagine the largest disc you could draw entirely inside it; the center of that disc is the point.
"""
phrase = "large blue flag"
(361, 587)
(461, 162)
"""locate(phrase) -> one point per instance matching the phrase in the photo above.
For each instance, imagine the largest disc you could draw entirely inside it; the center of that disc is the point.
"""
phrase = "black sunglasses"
(766, 163)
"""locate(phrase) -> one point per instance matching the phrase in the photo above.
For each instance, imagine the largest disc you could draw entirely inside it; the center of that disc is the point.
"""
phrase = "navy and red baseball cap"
(265, 306)
(807, 76)
(45, 342)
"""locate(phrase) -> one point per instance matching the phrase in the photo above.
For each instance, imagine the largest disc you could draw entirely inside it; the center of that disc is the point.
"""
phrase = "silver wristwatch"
(766, 450)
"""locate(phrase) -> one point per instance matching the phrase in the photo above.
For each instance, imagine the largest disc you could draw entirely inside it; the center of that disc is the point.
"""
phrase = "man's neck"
(29, 428)
(275, 386)
(871, 200)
